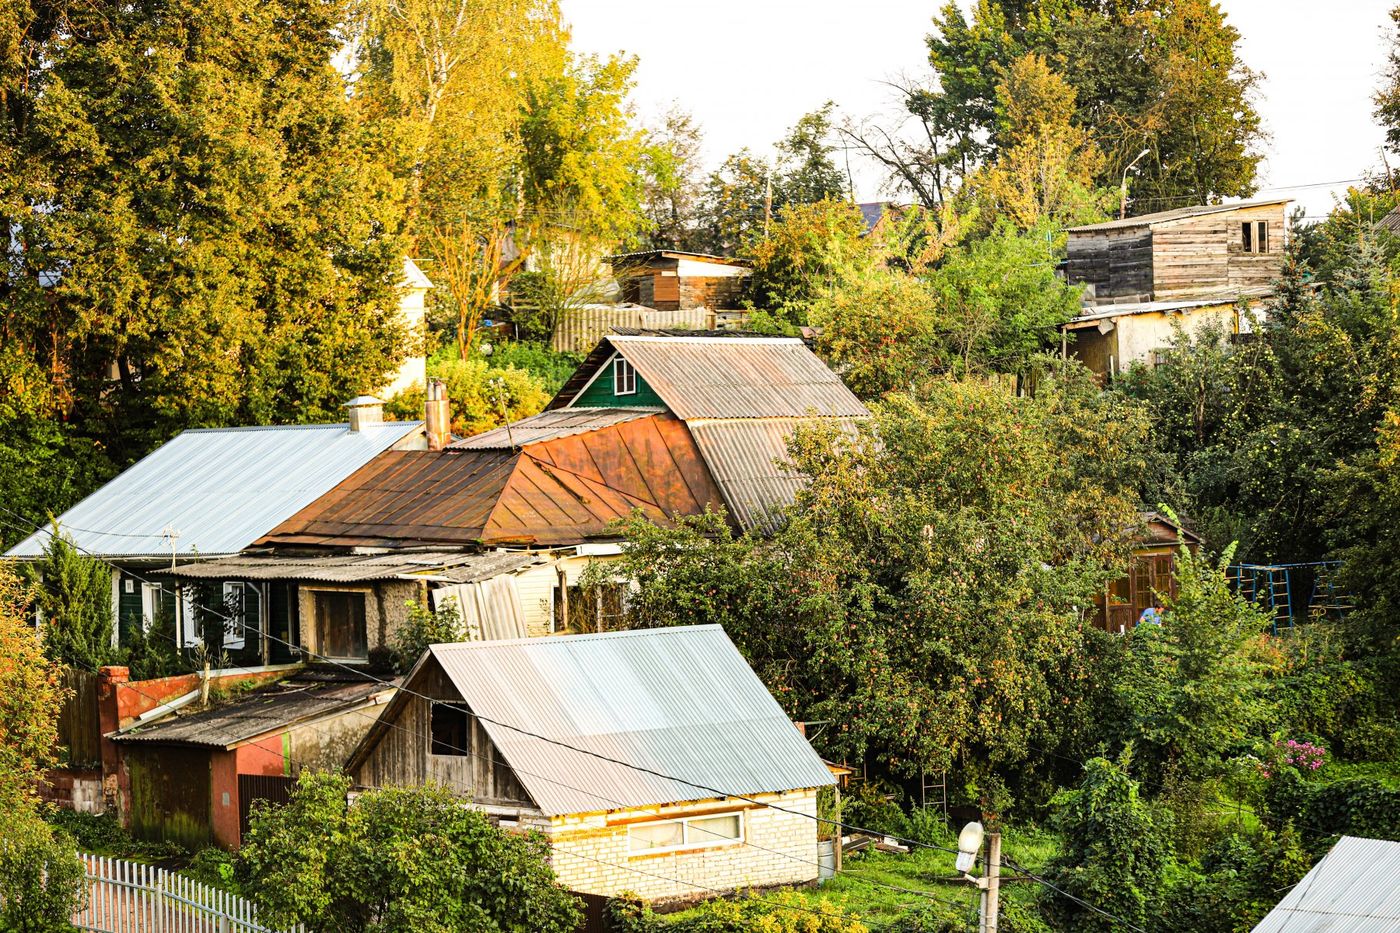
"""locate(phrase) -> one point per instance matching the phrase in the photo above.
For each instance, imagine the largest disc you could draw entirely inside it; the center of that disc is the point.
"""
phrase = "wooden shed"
(674, 280)
(1151, 577)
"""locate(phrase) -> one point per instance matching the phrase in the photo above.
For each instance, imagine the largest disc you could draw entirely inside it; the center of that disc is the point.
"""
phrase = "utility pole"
(767, 197)
(1123, 188)
(991, 885)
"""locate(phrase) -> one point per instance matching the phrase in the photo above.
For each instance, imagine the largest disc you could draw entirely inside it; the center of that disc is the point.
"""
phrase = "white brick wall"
(778, 848)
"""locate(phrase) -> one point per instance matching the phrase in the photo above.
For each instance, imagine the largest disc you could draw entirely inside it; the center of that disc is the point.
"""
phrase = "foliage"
(30, 698)
(1387, 97)
(42, 880)
(1115, 854)
(783, 912)
(423, 628)
(925, 592)
(550, 368)
(672, 183)
(1239, 881)
(470, 268)
(74, 594)
(104, 835)
(1363, 806)
(483, 396)
(808, 246)
(214, 867)
(396, 860)
(1191, 688)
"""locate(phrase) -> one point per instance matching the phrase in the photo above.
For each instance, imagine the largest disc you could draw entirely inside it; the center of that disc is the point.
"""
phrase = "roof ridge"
(583, 636)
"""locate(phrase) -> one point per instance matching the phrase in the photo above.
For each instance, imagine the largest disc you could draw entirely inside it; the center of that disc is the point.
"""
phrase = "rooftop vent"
(366, 411)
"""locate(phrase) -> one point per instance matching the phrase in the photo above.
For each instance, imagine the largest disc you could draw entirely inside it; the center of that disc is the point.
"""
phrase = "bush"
(780, 912)
(214, 867)
(1357, 807)
(426, 627)
(41, 877)
(103, 835)
(550, 368)
(483, 395)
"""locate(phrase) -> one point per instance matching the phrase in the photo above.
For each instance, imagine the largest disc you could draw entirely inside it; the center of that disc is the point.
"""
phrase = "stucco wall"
(386, 608)
(1141, 334)
(590, 852)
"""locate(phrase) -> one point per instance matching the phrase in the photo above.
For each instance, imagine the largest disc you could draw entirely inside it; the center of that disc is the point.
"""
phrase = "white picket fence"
(127, 897)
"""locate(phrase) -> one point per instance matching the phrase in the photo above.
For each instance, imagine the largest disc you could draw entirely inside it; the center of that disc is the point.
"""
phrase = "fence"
(78, 727)
(126, 897)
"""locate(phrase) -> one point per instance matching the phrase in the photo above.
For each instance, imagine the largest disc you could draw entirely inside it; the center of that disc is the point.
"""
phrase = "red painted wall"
(223, 788)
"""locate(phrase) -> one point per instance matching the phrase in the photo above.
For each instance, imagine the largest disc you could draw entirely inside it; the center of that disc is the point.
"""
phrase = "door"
(340, 625)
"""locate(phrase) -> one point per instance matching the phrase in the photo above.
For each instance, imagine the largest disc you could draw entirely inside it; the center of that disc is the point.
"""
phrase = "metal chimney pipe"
(437, 415)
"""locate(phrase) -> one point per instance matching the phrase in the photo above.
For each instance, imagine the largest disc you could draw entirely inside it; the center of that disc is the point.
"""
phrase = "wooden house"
(1189, 267)
(1151, 578)
(674, 280)
(653, 761)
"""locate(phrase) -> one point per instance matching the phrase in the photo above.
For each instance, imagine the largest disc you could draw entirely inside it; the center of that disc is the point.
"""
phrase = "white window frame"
(624, 377)
(686, 842)
(236, 625)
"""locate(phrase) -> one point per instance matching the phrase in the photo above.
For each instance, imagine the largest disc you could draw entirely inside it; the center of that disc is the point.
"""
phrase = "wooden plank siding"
(401, 753)
(1117, 263)
(79, 729)
(1205, 255)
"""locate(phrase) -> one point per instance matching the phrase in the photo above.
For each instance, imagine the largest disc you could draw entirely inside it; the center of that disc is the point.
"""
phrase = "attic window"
(1254, 236)
(450, 730)
(624, 378)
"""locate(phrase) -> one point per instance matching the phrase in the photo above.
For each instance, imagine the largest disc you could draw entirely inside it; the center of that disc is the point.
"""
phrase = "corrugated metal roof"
(727, 377)
(263, 711)
(1179, 213)
(579, 329)
(744, 454)
(437, 566)
(678, 701)
(1092, 314)
(1390, 222)
(219, 488)
(549, 425)
(647, 255)
(1354, 888)
(559, 491)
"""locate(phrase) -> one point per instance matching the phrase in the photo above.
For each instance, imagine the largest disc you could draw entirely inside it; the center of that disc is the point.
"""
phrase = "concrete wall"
(1140, 335)
(778, 848)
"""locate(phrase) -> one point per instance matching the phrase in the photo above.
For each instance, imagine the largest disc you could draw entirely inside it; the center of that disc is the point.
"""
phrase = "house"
(192, 778)
(1191, 266)
(676, 280)
(653, 761)
(212, 493)
(740, 397)
(413, 314)
(1151, 578)
(1352, 889)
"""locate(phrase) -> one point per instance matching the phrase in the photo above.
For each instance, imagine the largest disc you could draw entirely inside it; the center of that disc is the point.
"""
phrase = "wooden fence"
(127, 897)
(78, 727)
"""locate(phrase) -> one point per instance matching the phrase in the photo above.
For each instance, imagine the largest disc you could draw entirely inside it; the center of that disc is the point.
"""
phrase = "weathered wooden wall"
(1117, 263)
(1205, 255)
(79, 729)
(402, 756)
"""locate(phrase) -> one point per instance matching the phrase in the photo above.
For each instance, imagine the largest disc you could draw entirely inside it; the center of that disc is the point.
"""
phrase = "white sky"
(747, 69)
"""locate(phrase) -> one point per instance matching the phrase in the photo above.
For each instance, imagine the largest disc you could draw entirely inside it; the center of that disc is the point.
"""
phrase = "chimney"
(366, 412)
(437, 415)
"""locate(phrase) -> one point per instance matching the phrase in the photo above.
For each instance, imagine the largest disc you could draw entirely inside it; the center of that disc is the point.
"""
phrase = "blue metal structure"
(1277, 588)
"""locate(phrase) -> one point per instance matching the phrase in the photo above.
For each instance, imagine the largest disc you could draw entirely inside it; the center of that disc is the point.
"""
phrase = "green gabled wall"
(600, 393)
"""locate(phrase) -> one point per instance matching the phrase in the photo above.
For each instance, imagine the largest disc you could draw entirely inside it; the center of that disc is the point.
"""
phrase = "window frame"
(1254, 237)
(623, 374)
(686, 843)
(462, 751)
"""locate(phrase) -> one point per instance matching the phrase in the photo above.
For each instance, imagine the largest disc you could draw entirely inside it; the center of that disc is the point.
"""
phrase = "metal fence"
(127, 897)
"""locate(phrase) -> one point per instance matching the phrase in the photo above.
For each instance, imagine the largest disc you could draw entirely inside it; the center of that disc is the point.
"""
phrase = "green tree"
(42, 881)
(32, 697)
(424, 628)
(1387, 96)
(807, 249)
(672, 182)
(73, 593)
(1114, 853)
(397, 860)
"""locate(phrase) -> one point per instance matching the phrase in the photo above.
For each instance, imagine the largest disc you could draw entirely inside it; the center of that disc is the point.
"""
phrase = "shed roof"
(267, 710)
(725, 377)
(219, 488)
(680, 704)
(1179, 213)
(436, 566)
(559, 491)
(749, 460)
(1092, 314)
(651, 255)
(1390, 222)
(549, 425)
(1354, 887)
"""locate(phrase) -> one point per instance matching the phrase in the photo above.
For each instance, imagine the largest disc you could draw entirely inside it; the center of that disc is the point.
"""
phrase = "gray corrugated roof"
(221, 489)
(438, 566)
(1390, 222)
(724, 377)
(549, 425)
(1354, 888)
(678, 701)
(744, 454)
(260, 712)
(1179, 213)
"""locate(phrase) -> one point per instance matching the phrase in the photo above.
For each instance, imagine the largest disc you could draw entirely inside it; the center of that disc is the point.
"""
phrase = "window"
(340, 624)
(691, 833)
(1254, 236)
(624, 378)
(451, 730)
(243, 609)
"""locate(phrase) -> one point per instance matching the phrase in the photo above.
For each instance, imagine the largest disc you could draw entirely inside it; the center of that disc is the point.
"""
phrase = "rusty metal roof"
(749, 460)
(725, 377)
(549, 425)
(1354, 887)
(434, 566)
(553, 492)
(1179, 213)
(650, 255)
(267, 710)
(680, 702)
(219, 488)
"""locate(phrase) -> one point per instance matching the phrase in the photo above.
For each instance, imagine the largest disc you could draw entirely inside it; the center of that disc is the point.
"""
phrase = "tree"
(472, 266)
(1387, 96)
(672, 181)
(73, 594)
(397, 860)
(32, 696)
(1114, 854)
(42, 880)
(807, 249)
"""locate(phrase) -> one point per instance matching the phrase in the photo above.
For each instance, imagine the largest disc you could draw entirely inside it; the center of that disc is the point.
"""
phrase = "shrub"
(103, 835)
(426, 627)
(780, 912)
(41, 878)
(214, 867)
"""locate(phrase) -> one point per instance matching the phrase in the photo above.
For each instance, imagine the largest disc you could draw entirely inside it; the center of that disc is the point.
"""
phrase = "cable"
(1078, 900)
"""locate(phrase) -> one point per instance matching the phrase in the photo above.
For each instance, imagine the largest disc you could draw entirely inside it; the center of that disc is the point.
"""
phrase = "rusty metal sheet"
(550, 425)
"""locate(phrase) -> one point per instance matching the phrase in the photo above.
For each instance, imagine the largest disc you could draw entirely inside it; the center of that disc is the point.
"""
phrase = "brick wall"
(591, 851)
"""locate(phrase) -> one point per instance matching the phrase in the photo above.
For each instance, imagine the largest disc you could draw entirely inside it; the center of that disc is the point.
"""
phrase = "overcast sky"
(747, 69)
